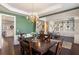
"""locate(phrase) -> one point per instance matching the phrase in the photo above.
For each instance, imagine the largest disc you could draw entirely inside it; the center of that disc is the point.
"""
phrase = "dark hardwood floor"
(10, 49)
(0, 51)
(17, 50)
(75, 49)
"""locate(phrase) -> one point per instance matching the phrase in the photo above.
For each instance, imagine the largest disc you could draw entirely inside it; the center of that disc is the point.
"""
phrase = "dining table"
(41, 47)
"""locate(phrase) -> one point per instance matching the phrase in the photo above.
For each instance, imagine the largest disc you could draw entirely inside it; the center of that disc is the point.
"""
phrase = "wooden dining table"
(42, 47)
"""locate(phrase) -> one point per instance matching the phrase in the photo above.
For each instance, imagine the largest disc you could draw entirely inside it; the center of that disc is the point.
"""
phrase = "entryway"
(8, 34)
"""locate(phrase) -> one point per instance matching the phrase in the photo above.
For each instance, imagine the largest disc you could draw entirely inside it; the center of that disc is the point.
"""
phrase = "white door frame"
(1, 14)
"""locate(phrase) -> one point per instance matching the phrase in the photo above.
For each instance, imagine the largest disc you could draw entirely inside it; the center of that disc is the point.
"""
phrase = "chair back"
(58, 48)
(41, 36)
(26, 47)
(48, 37)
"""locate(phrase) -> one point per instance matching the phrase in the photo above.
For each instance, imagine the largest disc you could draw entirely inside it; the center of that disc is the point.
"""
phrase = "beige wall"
(76, 35)
(1, 41)
(64, 16)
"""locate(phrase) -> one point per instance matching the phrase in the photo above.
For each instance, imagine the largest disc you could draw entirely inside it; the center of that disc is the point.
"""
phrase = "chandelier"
(33, 17)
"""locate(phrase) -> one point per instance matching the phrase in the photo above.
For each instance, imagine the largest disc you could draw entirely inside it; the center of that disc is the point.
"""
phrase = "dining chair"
(25, 48)
(41, 37)
(48, 37)
(57, 48)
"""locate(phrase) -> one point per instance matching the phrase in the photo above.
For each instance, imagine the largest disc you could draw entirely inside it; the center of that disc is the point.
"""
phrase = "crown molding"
(60, 12)
(10, 8)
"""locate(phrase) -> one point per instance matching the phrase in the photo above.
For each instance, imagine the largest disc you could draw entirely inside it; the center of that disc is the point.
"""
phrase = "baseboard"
(68, 36)
(0, 47)
(76, 43)
(0, 51)
(16, 45)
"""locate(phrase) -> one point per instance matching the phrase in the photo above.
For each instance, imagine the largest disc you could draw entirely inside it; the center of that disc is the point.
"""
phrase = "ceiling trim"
(52, 8)
(59, 12)
(16, 10)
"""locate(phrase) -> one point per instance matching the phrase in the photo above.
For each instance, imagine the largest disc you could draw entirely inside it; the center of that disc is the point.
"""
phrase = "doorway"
(8, 34)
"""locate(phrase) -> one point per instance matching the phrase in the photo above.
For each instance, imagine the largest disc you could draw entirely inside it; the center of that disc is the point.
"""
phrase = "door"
(8, 34)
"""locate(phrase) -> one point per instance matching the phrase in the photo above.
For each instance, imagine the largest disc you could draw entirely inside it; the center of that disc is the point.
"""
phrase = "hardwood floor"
(0, 51)
(17, 50)
(10, 49)
(75, 49)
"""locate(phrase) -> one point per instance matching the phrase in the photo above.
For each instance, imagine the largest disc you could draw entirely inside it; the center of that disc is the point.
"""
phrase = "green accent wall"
(22, 24)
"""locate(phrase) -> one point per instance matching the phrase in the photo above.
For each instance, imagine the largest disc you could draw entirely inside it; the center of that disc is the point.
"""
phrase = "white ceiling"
(32, 7)
(4, 9)
(39, 8)
(60, 7)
